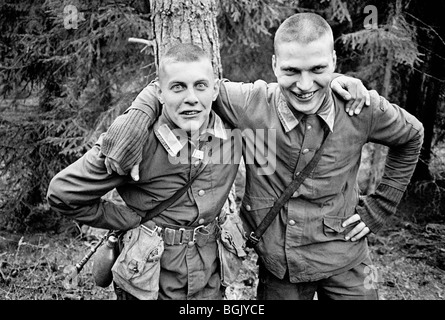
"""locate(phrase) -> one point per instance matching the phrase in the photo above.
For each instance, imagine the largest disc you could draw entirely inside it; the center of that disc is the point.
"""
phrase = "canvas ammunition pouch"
(231, 245)
(138, 267)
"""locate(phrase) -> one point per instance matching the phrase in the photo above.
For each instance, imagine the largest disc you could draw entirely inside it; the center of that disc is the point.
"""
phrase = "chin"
(307, 107)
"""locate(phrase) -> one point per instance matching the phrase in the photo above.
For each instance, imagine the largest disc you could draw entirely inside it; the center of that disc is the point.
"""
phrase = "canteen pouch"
(231, 245)
(138, 266)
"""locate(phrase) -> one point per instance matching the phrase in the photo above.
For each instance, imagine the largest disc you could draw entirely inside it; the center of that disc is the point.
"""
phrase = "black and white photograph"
(228, 156)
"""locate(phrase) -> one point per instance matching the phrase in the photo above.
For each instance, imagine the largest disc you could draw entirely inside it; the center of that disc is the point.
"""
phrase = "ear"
(334, 58)
(274, 63)
(216, 89)
(159, 91)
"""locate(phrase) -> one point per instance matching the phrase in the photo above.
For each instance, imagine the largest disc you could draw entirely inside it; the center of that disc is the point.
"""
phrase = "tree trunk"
(191, 21)
(186, 21)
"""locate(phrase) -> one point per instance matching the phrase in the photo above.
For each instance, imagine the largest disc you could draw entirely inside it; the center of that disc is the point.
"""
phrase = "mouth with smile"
(190, 113)
(306, 96)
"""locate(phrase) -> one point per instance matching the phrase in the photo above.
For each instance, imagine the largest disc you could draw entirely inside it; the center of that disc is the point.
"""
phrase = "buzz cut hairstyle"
(182, 52)
(302, 28)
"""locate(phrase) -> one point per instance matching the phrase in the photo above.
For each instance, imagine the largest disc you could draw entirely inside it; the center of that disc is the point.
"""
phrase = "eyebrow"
(321, 65)
(174, 82)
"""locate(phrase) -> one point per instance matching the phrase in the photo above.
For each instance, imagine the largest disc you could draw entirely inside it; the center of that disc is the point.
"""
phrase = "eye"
(318, 69)
(177, 88)
(201, 86)
(290, 71)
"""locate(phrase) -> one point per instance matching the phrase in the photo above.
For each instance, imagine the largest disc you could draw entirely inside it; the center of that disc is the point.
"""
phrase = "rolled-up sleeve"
(403, 134)
(77, 191)
(128, 132)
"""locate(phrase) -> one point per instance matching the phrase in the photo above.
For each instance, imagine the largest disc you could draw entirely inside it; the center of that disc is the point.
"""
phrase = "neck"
(195, 134)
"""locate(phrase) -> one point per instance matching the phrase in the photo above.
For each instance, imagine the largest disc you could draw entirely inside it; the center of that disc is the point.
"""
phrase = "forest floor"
(409, 255)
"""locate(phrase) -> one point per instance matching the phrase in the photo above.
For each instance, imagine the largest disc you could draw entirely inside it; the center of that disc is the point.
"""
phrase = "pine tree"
(391, 44)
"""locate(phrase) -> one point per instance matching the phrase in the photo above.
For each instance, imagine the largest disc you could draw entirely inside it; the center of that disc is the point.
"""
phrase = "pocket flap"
(334, 223)
(256, 203)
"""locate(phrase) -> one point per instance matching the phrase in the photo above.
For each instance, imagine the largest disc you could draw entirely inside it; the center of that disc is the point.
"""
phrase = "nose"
(191, 97)
(305, 82)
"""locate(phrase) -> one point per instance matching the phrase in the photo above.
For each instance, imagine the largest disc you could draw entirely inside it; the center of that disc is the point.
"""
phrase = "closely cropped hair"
(183, 52)
(303, 28)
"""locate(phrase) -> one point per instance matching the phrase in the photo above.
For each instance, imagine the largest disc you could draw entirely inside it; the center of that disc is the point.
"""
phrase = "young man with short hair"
(177, 148)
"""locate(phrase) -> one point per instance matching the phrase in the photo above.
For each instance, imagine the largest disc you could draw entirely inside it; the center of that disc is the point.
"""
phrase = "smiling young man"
(317, 243)
(176, 149)
(303, 65)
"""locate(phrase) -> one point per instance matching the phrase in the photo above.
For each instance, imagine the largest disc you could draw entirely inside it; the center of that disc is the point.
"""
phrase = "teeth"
(305, 95)
(190, 112)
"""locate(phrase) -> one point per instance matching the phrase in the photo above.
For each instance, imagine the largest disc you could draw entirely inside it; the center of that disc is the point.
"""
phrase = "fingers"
(356, 106)
(118, 168)
(108, 165)
(359, 231)
(337, 87)
(134, 173)
(353, 91)
(113, 166)
(361, 98)
(352, 219)
(367, 97)
(355, 100)
(361, 234)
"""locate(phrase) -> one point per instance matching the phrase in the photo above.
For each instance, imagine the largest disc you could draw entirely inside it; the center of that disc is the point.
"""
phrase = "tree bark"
(186, 21)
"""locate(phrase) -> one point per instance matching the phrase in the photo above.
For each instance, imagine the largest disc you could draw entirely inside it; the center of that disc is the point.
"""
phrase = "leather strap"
(167, 203)
(255, 236)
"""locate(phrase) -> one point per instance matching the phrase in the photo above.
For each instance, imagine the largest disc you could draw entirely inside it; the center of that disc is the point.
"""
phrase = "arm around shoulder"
(76, 192)
(126, 136)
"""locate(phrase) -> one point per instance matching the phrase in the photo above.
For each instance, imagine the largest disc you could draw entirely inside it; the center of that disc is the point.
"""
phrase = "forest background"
(67, 70)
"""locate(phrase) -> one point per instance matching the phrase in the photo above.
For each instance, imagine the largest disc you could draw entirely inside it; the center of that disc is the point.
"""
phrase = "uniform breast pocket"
(332, 227)
(255, 208)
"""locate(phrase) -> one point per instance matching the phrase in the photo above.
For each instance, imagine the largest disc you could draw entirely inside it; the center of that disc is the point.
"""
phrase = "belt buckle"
(151, 232)
(195, 231)
(169, 236)
(182, 230)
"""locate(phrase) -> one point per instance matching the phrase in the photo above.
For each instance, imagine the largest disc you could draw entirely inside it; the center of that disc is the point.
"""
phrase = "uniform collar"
(290, 120)
(174, 139)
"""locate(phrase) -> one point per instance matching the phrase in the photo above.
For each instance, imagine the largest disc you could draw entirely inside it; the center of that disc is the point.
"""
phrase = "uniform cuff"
(375, 209)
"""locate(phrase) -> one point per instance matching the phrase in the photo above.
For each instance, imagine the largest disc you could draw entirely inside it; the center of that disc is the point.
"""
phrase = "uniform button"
(248, 208)
(197, 163)
(309, 127)
(298, 173)
(305, 151)
(191, 243)
(291, 222)
(201, 192)
(201, 221)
